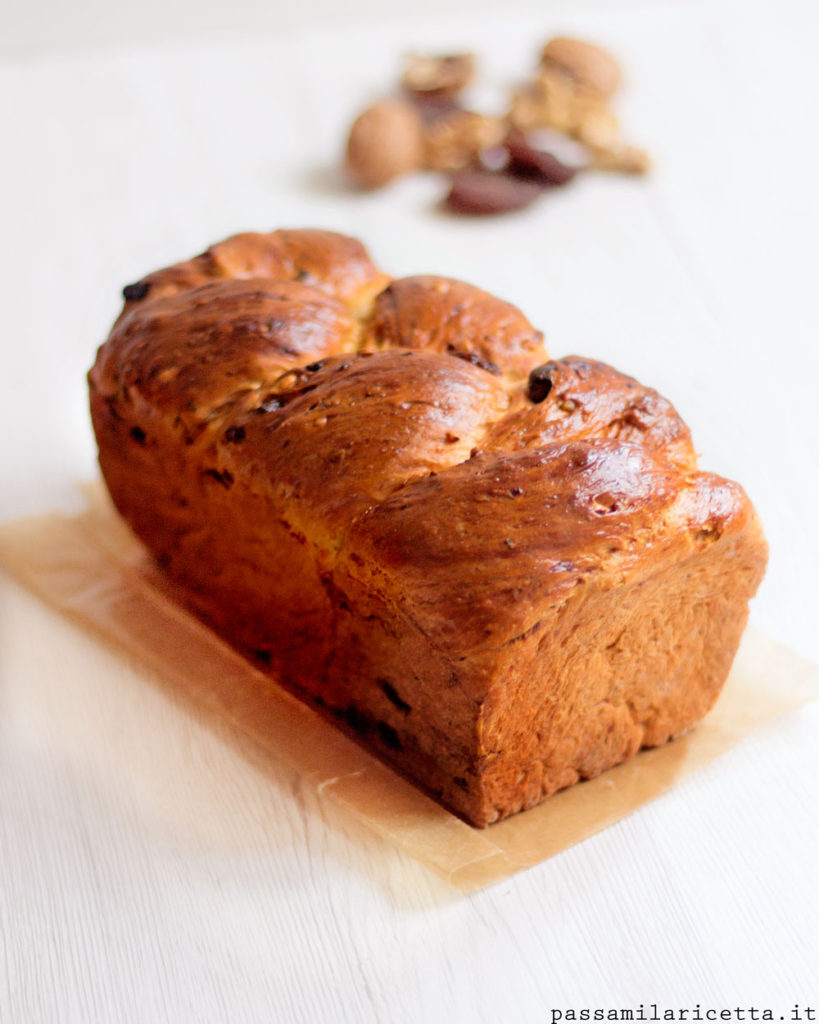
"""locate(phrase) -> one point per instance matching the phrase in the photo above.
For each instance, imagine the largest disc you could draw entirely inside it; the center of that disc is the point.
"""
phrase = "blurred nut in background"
(587, 64)
(554, 101)
(443, 76)
(559, 122)
(625, 160)
(549, 101)
(455, 140)
(596, 125)
(387, 140)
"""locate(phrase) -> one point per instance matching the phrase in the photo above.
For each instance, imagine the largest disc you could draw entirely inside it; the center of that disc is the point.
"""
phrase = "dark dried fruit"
(135, 292)
(388, 736)
(535, 162)
(225, 478)
(540, 382)
(357, 720)
(233, 435)
(475, 360)
(478, 191)
(392, 695)
(138, 434)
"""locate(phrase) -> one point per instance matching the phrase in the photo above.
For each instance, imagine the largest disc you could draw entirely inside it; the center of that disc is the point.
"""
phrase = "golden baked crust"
(502, 583)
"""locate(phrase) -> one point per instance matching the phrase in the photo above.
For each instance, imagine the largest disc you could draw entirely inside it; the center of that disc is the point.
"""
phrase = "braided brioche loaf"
(504, 574)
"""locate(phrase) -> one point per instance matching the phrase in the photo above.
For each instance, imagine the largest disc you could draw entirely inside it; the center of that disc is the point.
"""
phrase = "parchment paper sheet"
(90, 568)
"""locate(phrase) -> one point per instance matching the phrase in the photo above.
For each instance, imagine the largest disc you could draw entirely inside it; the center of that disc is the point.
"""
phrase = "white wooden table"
(148, 872)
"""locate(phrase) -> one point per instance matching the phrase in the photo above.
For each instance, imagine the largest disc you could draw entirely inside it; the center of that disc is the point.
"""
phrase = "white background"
(148, 871)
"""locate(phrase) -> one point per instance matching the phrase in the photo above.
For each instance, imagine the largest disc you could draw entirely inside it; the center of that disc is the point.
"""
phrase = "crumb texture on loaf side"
(503, 573)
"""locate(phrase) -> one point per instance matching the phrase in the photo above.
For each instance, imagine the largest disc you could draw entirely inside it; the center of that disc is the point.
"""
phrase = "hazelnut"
(438, 75)
(587, 64)
(385, 141)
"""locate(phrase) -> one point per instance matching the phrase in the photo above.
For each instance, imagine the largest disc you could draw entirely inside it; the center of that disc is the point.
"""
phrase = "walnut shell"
(549, 101)
(447, 76)
(622, 159)
(596, 125)
(455, 140)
